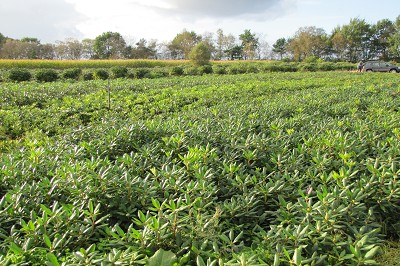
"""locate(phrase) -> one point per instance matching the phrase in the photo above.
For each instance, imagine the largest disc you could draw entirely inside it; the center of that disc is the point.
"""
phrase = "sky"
(56, 20)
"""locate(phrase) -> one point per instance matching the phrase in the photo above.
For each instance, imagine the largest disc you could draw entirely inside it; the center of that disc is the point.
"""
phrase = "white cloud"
(47, 20)
(163, 19)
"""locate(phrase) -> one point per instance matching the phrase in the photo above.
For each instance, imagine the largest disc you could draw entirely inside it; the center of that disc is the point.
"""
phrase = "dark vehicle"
(380, 66)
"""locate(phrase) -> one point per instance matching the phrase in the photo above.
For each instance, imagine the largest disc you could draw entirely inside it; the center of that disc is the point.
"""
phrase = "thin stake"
(109, 95)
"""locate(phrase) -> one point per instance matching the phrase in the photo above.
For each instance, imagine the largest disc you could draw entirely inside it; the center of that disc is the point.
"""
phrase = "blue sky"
(52, 20)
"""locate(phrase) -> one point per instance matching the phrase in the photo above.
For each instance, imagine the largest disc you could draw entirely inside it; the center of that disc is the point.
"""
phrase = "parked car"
(380, 66)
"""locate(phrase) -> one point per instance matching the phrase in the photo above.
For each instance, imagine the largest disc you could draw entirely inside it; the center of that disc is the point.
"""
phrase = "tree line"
(350, 42)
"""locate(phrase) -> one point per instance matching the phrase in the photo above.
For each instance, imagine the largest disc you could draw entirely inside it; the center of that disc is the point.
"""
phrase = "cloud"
(254, 9)
(47, 20)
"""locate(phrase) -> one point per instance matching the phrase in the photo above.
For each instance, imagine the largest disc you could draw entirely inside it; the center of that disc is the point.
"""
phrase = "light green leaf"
(297, 256)
(200, 261)
(371, 253)
(162, 258)
(52, 259)
(47, 240)
(16, 249)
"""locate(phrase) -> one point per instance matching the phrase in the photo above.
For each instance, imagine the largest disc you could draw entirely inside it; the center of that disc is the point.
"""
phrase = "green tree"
(2, 39)
(381, 33)
(308, 41)
(200, 54)
(142, 50)
(394, 41)
(183, 43)
(236, 52)
(353, 40)
(109, 45)
(249, 44)
(280, 47)
(30, 48)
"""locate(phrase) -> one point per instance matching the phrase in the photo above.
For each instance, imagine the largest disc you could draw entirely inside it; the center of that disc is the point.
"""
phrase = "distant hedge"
(119, 71)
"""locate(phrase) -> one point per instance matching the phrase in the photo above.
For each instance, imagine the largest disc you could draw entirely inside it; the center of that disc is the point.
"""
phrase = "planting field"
(248, 169)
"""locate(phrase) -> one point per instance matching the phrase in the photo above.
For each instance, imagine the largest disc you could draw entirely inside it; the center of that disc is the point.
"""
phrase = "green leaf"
(46, 210)
(371, 253)
(16, 249)
(47, 240)
(52, 259)
(162, 258)
(200, 261)
(297, 256)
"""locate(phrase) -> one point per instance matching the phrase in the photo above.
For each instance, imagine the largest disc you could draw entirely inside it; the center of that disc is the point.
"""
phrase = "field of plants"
(298, 168)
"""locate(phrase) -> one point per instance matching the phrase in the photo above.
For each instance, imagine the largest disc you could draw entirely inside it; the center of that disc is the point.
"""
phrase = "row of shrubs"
(50, 75)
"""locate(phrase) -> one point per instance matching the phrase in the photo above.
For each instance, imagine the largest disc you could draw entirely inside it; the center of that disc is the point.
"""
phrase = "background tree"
(263, 50)
(183, 43)
(109, 45)
(26, 48)
(308, 41)
(224, 43)
(355, 39)
(394, 41)
(339, 44)
(380, 33)
(280, 47)
(249, 44)
(47, 51)
(70, 49)
(208, 39)
(200, 54)
(2, 40)
(142, 50)
(236, 52)
(30, 48)
(87, 48)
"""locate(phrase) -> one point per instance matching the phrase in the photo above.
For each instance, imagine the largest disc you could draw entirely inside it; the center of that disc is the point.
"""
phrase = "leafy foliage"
(19, 75)
(46, 75)
(267, 168)
(73, 73)
(200, 54)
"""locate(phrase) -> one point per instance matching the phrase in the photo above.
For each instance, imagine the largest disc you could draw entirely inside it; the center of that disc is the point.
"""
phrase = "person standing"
(360, 66)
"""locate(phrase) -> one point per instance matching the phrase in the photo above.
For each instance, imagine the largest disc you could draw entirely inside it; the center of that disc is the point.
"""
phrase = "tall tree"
(308, 41)
(249, 44)
(87, 48)
(354, 39)
(109, 45)
(183, 43)
(280, 47)
(380, 33)
(70, 49)
(394, 41)
(224, 43)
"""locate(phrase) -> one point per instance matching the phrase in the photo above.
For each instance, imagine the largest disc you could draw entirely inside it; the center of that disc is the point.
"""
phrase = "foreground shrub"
(219, 69)
(156, 73)
(119, 72)
(19, 74)
(176, 71)
(73, 73)
(237, 69)
(206, 69)
(88, 75)
(191, 71)
(101, 74)
(141, 73)
(46, 75)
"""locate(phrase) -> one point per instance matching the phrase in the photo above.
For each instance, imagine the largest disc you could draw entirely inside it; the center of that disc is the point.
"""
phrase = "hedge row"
(220, 68)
